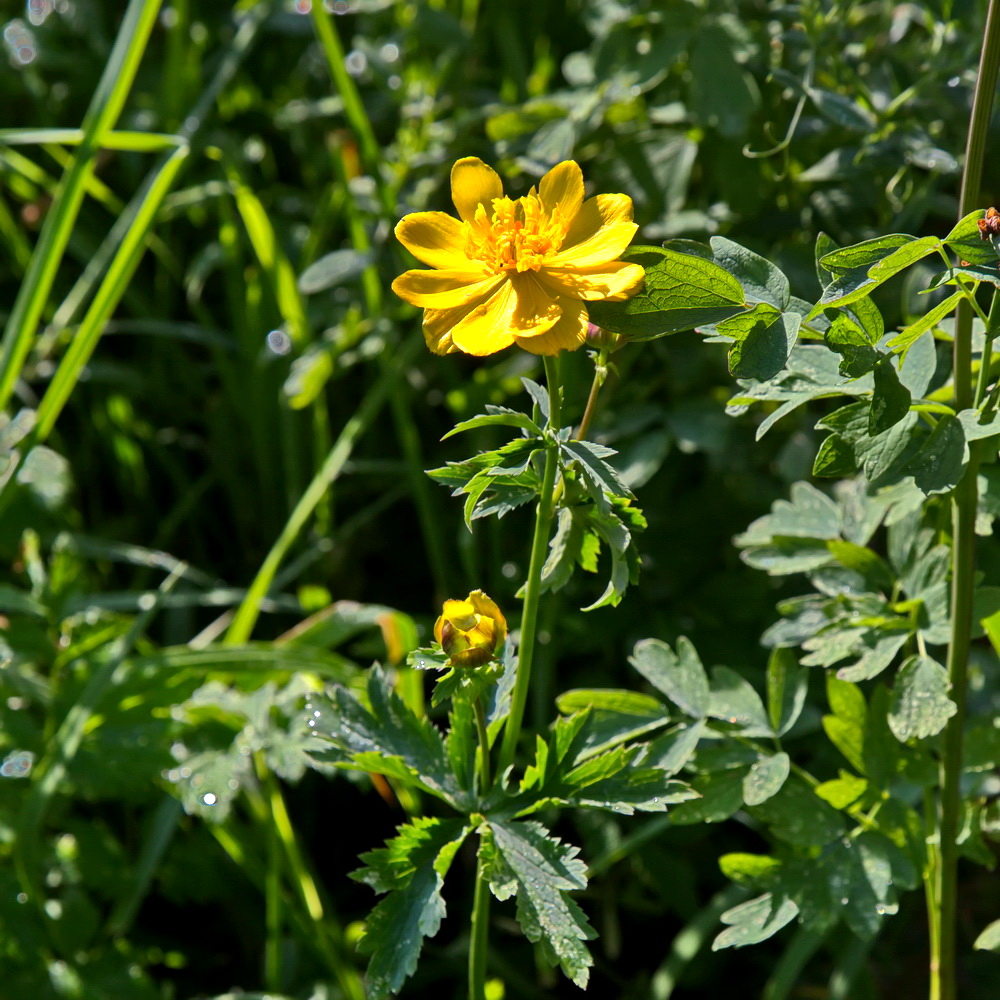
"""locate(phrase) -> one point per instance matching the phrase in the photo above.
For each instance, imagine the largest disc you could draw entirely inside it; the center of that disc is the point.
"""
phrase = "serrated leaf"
(765, 778)
(755, 921)
(396, 928)
(920, 706)
(681, 291)
(544, 870)
(680, 677)
(539, 395)
(504, 418)
(390, 730)
(591, 458)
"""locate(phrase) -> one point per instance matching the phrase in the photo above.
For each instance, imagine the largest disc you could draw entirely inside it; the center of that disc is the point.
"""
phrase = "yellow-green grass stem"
(105, 107)
(532, 591)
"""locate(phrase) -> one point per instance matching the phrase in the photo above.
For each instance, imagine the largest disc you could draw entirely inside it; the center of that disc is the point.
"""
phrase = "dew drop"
(880, 910)
(844, 901)
(210, 798)
(22, 897)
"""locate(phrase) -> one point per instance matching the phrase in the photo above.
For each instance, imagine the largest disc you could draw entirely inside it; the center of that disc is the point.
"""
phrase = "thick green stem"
(965, 498)
(532, 590)
(480, 936)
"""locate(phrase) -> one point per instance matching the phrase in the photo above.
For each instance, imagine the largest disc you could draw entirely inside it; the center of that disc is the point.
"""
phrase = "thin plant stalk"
(532, 590)
(479, 939)
(943, 978)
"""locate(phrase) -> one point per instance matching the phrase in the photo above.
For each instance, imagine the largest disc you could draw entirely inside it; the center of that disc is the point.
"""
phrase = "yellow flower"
(471, 631)
(519, 271)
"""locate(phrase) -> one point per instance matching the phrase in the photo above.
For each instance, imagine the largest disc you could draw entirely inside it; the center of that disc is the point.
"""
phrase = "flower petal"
(437, 239)
(615, 281)
(561, 190)
(536, 309)
(473, 183)
(485, 328)
(566, 335)
(445, 289)
(438, 325)
(599, 233)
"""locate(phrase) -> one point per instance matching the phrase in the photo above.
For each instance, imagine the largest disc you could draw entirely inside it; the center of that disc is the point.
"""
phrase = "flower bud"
(470, 631)
(602, 340)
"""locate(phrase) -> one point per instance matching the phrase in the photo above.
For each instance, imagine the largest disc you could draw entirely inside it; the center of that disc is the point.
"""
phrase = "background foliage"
(172, 842)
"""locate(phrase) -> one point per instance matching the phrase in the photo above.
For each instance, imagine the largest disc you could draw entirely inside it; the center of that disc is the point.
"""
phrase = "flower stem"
(485, 780)
(943, 984)
(479, 936)
(532, 590)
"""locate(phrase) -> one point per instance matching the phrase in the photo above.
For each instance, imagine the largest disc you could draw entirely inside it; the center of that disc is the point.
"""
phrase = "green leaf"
(413, 865)
(755, 921)
(332, 269)
(764, 339)
(851, 342)
(973, 427)
(864, 254)
(616, 716)
(389, 736)
(765, 778)
(721, 796)
(542, 870)
(499, 416)
(965, 241)
(920, 706)
(875, 262)
(723, 94)
(842, 791)
(680, 677)
(751, 870)
(908, 335)
(681, 291)
(734, 700)
(761, 280)
(942, 458)
(672, 750)
(798, 816)
(591, 458)
(989, 938)
(891, 400)
(787, 685)
(809, 514)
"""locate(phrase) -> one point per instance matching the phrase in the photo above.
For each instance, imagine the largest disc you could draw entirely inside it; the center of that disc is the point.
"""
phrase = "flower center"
(517, 237)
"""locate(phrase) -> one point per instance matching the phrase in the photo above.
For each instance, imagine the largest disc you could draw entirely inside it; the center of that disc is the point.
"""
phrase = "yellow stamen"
(517, 237)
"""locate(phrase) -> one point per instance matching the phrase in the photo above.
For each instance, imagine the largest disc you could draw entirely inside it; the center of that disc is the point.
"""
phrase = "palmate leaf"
(681, 676)
(525, 860)
(754, 921)
(411, 868)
